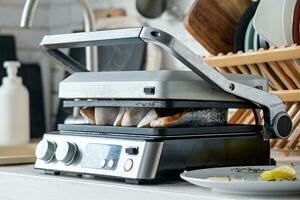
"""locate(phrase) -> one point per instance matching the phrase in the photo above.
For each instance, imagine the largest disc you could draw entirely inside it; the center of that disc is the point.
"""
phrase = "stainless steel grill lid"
(167, 84)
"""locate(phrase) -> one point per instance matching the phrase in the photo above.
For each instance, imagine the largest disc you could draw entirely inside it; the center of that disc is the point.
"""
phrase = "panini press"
(140, 155)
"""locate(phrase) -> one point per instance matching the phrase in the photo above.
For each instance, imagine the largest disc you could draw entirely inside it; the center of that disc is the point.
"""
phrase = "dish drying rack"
(279, 67)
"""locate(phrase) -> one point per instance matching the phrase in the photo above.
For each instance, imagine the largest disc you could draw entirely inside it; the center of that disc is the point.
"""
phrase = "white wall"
(64, 16)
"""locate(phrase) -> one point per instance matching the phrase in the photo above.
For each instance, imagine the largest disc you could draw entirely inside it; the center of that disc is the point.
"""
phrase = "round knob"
(65, 152)
(45, 150)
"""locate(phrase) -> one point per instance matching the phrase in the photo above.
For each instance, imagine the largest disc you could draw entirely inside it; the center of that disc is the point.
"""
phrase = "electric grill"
(140, 155)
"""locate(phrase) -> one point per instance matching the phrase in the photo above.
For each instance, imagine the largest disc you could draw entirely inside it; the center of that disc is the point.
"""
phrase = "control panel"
(104, 156)
(124, 158)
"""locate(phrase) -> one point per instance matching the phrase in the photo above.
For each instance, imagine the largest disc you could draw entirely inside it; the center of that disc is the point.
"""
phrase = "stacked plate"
(246, 37)
(269, 22)
(274, 21)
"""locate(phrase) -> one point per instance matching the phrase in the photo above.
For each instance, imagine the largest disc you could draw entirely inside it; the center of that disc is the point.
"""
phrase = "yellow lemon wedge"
(278, 174)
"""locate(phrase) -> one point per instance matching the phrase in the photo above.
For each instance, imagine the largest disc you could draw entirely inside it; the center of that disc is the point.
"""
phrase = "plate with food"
(259, 180)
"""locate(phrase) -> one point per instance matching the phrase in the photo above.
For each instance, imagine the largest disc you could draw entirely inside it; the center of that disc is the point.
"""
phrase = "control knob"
(45, 150)
(65, 152)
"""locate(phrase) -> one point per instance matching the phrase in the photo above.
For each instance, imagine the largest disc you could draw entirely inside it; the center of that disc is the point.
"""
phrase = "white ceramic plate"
(248, 181)
(287, 20)
(268, 21)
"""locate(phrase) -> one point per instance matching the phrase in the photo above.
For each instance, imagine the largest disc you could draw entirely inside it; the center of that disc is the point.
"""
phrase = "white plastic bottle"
(14, 108)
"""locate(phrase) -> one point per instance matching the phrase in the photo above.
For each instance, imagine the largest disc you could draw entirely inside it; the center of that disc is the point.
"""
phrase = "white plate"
(268, 21)
(248, 182)
(287, 20)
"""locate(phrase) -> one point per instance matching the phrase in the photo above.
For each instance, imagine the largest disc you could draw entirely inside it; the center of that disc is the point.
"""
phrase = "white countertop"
(23, 182)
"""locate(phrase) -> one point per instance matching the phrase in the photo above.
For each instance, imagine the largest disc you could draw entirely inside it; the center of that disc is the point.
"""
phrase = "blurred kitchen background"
(42, 77)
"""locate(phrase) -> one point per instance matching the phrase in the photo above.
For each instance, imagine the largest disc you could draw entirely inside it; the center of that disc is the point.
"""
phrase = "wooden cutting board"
(213, 23)
(22, 154)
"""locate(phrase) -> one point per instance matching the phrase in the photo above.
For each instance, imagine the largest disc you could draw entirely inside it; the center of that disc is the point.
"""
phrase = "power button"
(128, 165)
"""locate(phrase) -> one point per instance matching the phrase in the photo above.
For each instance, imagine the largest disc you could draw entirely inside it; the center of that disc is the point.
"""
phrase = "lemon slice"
(278, 174)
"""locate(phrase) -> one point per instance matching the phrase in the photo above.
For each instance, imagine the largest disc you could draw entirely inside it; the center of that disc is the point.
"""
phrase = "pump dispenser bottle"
(14, 108)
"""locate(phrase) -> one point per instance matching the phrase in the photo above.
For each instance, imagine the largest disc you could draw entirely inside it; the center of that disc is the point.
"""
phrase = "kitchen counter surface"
(23, 182)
